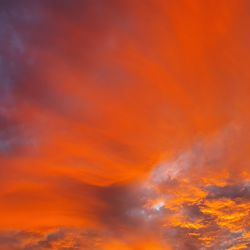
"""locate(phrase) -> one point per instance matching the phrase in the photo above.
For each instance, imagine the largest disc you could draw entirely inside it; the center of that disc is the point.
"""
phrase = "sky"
(124, 125)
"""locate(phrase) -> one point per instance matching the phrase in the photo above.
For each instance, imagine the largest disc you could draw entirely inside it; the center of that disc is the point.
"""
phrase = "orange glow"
(124, 125)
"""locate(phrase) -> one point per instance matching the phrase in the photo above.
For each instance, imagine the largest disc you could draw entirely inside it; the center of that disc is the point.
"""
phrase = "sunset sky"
(124, 124)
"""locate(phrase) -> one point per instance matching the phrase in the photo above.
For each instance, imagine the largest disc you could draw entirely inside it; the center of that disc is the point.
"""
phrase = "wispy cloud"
(124, 125)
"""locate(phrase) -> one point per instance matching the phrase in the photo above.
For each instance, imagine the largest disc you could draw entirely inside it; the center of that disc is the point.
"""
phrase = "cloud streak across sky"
(124, 125)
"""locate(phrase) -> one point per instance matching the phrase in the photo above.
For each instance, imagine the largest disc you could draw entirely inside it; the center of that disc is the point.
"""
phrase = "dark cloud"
(62, 238)
(14, 136)
(237, 191)
(120, 200)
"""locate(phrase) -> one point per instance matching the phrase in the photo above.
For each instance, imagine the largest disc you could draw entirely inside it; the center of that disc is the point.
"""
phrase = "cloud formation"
(124, 125)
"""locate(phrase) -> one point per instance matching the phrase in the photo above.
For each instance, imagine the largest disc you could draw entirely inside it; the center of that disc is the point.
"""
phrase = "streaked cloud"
(124, 125)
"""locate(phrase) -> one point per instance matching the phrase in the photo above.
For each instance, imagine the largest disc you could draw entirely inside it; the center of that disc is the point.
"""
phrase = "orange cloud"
(124, 125)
